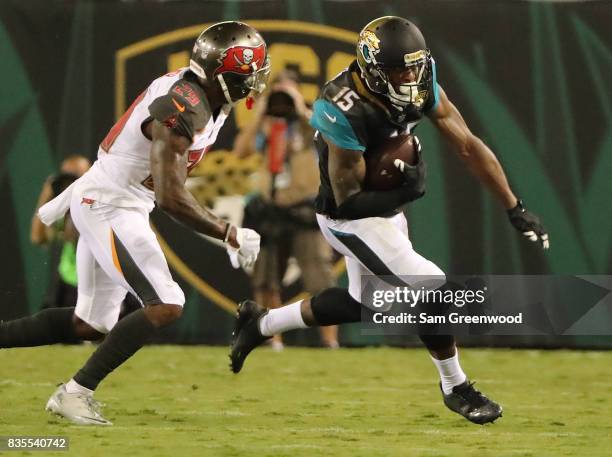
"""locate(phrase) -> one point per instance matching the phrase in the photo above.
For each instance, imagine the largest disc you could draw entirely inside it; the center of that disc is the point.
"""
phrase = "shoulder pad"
(340, 101)
(433, 96)
(337, 126)
(184, 108)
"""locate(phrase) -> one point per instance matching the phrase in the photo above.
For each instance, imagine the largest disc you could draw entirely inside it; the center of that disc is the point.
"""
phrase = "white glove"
(246, 254)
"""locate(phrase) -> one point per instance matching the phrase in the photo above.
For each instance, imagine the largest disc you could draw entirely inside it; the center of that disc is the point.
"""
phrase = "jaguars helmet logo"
(369, 45)
(370, 39)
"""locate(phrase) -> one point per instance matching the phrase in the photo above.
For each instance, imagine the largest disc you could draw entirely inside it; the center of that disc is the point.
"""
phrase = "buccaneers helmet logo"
(241, 59)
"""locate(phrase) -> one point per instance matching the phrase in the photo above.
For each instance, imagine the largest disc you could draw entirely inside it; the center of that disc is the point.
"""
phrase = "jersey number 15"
(345, 99)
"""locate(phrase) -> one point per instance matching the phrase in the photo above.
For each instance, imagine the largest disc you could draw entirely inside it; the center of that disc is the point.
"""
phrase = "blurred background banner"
(532, 80)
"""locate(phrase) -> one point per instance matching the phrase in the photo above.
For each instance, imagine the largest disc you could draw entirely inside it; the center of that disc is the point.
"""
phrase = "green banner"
(531, 79)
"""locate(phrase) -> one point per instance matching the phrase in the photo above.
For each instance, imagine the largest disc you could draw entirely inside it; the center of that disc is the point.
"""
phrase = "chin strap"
(225, 90)
(197, 69)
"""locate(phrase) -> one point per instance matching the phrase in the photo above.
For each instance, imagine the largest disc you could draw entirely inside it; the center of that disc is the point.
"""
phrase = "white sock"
(73, 387)
(451, 374)
(280, 320)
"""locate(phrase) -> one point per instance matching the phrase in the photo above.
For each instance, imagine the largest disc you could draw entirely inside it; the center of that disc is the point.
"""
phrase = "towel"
(55, 209)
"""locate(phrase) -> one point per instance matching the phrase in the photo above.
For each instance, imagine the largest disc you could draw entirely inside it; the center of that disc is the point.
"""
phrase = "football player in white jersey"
(144, 159)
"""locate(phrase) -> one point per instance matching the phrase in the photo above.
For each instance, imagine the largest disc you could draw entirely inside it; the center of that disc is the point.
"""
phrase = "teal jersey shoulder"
(352, 117)
(332, 123)
(341, 115)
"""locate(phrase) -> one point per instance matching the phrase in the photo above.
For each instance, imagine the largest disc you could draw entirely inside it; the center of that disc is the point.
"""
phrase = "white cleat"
(78, 408)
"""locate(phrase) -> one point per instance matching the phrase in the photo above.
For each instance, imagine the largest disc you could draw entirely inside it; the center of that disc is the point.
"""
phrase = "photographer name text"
(452, 318)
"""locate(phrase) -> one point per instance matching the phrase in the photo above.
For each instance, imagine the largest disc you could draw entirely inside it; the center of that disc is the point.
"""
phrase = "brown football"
(381, 174)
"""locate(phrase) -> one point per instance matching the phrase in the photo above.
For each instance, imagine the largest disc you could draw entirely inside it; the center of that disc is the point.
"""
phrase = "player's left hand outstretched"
(528, 224)
(245, 255)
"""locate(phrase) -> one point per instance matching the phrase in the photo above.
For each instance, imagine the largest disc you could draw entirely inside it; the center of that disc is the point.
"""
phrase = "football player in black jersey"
(387, 91)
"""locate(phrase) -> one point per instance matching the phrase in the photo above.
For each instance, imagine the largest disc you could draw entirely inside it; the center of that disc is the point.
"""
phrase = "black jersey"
(351, 117)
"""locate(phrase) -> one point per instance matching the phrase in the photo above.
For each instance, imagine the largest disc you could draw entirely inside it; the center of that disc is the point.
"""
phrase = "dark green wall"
(532, 79)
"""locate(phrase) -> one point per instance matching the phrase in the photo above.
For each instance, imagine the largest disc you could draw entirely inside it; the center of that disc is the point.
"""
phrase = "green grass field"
(183, 401)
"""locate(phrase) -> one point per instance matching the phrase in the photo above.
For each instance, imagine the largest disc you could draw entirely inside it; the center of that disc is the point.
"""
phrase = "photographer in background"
(63, 288)
(64, 284)
(283, 210)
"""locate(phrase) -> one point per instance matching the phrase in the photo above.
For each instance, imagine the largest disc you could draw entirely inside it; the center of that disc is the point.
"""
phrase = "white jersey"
(114, 197)
(122, 174)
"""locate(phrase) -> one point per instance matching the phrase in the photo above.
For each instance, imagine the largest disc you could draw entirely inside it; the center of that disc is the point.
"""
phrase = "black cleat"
(246, 336)
(471, 404)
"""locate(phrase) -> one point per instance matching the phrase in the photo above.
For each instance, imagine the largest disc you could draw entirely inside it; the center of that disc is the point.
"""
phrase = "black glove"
(528, 224)
(414, 175)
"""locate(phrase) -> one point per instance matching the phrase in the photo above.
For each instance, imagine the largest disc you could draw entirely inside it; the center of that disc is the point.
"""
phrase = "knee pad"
(335, 306)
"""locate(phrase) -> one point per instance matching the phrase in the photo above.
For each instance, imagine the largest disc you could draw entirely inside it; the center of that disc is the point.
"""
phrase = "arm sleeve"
(376, 203)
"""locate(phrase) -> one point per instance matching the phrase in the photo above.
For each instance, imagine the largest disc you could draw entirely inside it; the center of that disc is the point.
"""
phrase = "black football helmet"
(235, 56)
(394, 42)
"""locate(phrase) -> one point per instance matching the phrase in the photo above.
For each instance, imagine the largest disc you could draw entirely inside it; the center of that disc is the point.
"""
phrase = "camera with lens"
(282, 105)
(61, 181)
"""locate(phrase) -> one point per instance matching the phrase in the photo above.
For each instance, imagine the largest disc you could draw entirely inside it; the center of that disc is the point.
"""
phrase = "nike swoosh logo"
(180, 107)
(331, 118)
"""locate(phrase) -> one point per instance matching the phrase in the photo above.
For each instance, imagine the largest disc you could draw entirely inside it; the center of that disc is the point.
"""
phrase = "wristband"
(519, 207)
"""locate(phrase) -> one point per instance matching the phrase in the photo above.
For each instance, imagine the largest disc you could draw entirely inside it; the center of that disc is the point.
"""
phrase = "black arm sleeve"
(375, 203)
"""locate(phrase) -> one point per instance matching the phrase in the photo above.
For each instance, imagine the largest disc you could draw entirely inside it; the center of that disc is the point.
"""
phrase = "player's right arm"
(169, 153)
(346, 173)
(175, 119)
(342, 126)
(169, 171)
